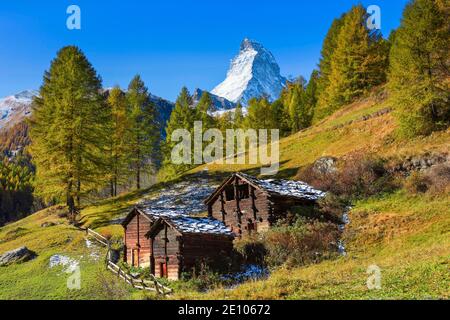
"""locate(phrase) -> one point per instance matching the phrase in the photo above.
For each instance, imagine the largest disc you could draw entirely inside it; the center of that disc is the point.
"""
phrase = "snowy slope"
(252, 73)
(13, 109)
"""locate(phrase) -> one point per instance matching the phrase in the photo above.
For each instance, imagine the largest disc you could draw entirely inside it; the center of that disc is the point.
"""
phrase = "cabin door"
(135, 256)
(163, 270)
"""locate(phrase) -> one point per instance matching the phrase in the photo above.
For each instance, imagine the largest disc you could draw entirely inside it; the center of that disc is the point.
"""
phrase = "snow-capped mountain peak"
(15, 108)
(26, 95)
(254, 72)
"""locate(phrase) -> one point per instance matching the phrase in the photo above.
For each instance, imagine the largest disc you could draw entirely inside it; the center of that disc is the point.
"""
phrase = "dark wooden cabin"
(246, 204)
(170, 244)
(178, 244)
(136, 245)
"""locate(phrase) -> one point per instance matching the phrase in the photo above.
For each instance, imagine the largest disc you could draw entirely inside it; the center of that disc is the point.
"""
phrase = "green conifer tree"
(68, 130)
(359, 61)
(145, 130)
(119, 138)
(419, 84)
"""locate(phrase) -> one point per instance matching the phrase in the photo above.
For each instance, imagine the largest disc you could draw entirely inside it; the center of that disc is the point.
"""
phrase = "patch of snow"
(248, 272)
(293, 188)
(69, 264)
(200, 225)
(184, 198)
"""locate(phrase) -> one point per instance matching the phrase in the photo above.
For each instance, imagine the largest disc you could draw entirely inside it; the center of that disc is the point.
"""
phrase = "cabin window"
(229, 193)
(243, 191)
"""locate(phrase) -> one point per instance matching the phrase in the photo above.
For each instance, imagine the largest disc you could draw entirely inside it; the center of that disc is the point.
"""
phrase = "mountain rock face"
(15, 108)
(164, 108)
(219, 103)
(252, 73)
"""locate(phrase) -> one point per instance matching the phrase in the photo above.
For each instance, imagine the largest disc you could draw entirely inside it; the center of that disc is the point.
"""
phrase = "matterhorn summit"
(253, 73)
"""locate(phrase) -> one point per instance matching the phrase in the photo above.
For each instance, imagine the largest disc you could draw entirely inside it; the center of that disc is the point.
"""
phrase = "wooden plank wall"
(135, 239)
(209, 248)
(166, 248)
(239, 215)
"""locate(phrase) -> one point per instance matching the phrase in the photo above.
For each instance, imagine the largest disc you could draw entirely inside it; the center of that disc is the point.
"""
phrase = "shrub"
(332, 207)
(307, 241)
(202, 277)
(417, 183)
(436, 180)
(359, 175)
(319, 179)
(250, 250)
(439, 176)
(362, 176)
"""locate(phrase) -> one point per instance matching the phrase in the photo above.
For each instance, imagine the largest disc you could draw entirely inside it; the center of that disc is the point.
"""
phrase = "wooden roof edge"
(225, 182)
(160, 220)
(128, 217)
(218, 189)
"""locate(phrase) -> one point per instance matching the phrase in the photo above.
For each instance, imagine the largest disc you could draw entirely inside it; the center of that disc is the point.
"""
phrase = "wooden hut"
(136, 245)
(170, 243)
(246, 204)
(179, 244)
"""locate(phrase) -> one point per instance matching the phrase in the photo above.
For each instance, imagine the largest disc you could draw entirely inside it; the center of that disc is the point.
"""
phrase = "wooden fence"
(150, 285)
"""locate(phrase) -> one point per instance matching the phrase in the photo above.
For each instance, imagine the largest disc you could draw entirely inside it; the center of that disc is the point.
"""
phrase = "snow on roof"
(184, 198)
(199, 225)
(290, 188)
(181, 200)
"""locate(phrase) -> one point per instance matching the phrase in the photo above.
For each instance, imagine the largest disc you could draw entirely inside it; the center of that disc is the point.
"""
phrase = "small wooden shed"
(178, 244)
(246, 204)
(136, 245)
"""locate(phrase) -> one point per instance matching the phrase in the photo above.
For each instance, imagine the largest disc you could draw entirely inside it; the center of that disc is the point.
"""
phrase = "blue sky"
(170, 43)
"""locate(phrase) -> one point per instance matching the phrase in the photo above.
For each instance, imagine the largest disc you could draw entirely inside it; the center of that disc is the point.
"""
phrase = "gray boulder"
(325, 165)
(19, 255)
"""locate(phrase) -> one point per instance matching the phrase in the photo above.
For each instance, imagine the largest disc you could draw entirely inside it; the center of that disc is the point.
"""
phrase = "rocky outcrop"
(19, 255)
(421, 162)
(325, 165)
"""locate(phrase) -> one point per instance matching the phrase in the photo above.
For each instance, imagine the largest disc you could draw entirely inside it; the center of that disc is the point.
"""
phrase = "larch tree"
(67, 130)
(328, 47)
(419, 85)
(144, 130)
(358, 63)
(119, 138)
(238, 119)
(182, 117)
(204, 109)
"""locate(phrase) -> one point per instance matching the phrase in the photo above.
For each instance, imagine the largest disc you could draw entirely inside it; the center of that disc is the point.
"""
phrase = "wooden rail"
(97, 236)
(150, 285)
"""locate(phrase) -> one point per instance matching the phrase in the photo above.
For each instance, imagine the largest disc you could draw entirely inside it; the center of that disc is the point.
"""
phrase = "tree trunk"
(138, 177)
(112, 188)
(78, 192)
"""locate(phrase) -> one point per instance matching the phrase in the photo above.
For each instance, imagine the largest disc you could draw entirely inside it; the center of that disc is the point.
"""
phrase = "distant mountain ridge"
(219, 103)
(15, 108)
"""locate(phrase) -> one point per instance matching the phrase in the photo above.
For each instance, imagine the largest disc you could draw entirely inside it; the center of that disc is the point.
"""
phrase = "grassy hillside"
(407, 236)
(356, 127)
